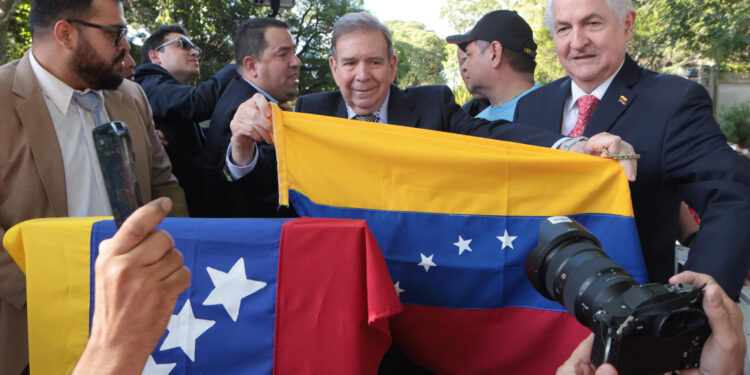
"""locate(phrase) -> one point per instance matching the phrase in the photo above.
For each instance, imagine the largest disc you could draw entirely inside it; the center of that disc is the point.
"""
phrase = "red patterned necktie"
(586, 105)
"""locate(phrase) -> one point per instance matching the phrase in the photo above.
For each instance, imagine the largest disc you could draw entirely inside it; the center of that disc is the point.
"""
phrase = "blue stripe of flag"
(227, 347)
(488, 276)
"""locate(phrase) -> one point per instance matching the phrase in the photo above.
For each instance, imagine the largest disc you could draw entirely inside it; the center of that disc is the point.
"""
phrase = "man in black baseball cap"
(499, 63)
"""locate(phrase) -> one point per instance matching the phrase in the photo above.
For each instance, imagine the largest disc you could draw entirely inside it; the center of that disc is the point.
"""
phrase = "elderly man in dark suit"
(50, 100)
(669, 121)
(169, 64)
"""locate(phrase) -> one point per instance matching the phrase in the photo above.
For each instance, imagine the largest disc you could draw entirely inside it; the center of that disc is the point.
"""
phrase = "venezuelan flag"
(266, 296)
(455, 217)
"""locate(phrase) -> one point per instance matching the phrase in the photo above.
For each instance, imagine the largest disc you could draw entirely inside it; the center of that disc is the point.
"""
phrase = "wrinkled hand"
(162, 138)
(579, 362)
(724, 351)
(139, 276)
(614, 144)
(251, 123)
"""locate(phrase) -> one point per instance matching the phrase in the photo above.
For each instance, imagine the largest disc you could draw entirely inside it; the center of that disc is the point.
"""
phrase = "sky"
(424, 11)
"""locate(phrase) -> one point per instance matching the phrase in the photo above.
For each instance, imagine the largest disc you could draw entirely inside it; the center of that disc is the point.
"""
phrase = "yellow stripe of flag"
(461, 175)
(56, 250)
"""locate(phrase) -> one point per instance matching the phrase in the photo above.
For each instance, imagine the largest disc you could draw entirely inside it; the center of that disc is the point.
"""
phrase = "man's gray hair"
(361, 21)
(619, 7)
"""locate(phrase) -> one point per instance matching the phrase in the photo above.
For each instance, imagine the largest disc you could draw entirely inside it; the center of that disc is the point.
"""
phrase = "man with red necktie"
(668, 120)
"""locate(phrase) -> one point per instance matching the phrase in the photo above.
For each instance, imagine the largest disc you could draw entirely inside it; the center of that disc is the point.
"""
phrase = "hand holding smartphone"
(116, 159)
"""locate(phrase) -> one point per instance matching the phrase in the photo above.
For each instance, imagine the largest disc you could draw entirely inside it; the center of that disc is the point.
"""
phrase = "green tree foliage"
(735, 122)
(212, 25)
(420, 54)
(14, 15)
(463, 14)
(548, 67)
(671, 32)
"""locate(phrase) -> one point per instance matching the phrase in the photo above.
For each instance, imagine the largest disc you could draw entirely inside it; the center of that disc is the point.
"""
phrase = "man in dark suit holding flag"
(668, 120)
(266, 64)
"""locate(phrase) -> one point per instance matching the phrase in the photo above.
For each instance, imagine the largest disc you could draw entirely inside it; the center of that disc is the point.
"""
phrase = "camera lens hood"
(553, 232)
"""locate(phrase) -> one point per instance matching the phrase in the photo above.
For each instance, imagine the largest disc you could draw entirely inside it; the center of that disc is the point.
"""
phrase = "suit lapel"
(40, 135)
(616, 100)
(401, 108)
(337, 106)
(556, 103)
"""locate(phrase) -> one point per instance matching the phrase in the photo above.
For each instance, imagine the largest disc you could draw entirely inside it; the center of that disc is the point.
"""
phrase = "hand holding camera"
(723, 352)
(638, 329)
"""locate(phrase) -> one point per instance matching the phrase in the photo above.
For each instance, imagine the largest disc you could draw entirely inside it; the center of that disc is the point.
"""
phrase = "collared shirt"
(260, 90)
(381, 112)
(84, 185)
(506, 110)
(570, 114)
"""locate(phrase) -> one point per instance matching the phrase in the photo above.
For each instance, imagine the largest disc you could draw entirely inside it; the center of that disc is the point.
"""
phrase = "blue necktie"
(90, 102)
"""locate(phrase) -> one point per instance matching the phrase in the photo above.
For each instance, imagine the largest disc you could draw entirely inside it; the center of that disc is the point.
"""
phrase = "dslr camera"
(639, 329)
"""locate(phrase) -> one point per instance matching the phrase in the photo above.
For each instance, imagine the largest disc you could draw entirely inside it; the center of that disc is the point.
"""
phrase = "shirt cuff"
(560, 142)
(234, 172)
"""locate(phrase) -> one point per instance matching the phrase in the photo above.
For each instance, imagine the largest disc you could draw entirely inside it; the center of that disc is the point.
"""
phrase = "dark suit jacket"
(474, 106)
(684, 156)
(33, 180)
(177, 111)
(228, 199)
(430, 107)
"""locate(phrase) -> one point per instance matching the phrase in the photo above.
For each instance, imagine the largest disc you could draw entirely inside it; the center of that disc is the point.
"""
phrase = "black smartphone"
(117, 162)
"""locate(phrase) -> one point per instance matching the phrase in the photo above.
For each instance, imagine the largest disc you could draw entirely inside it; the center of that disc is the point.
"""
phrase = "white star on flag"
(184, 329)
(153, 368)
(463, 245)
(231, 287)
(507, 240)
(398, 289)
(426, 262)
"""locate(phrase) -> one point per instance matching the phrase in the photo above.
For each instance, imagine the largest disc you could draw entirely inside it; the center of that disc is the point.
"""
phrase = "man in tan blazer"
(48, 166)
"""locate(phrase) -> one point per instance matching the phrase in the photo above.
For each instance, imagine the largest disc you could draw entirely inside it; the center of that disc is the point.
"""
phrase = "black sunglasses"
(118, 31)
(184, 44)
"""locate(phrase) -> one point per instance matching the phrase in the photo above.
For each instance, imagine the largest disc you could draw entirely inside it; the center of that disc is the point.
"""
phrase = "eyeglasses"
(184, 44)
(118, 31)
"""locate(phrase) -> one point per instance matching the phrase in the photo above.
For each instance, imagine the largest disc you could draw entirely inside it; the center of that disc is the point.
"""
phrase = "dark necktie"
(90, 102)
(586, 105)
(368, 117)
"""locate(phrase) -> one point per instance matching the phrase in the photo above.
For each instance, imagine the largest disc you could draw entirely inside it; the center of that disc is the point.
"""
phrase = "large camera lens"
(569, 266)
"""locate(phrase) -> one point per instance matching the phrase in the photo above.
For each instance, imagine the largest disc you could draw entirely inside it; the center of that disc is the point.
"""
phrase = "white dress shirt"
(570, 114)
(84, 185)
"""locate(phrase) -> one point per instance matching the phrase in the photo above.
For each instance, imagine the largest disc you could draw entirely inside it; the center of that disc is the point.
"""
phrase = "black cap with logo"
(505, 26)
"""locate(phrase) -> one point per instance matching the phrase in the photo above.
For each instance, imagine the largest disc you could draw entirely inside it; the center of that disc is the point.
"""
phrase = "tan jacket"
(32, 180)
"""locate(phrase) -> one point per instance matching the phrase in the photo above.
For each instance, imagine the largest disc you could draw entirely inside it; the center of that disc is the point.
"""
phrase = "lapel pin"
(623, 100)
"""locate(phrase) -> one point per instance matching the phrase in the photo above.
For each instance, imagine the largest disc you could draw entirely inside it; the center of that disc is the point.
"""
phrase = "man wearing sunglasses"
(50, 100)
(170, 64)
